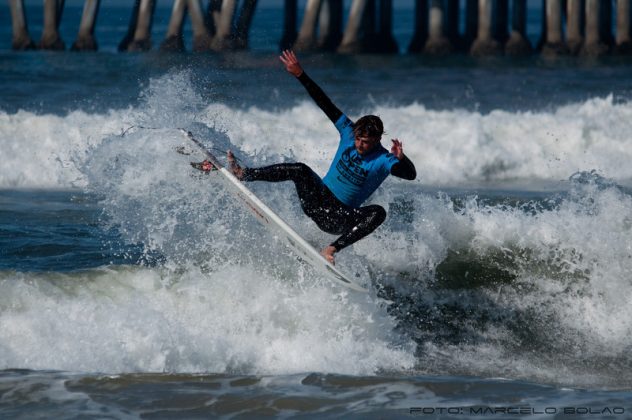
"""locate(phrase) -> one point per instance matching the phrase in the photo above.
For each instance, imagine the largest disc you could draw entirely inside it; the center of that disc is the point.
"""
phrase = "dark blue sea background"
(132, 286)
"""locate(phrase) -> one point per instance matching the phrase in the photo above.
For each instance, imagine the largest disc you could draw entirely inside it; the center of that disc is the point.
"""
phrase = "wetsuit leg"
(314, 196)
(297, 172)
(361, 222)
(320, 204)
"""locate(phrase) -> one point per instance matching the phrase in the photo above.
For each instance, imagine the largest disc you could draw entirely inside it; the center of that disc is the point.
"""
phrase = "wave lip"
(449, 147)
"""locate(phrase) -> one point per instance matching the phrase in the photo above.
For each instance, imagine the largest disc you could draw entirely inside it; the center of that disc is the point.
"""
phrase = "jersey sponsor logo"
(350, 168)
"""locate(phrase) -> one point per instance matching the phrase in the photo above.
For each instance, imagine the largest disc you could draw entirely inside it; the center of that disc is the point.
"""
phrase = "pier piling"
(138, 36)
(201, 36)
(244, 21)
(21, 38)
(212, 15)
(386, 43)
(368, 29)
(574, 24)
(330, 21)
(290, 12)
(174, 40)
(593, 44)
(437, 43)
(577, 27)
(85, 38)
(554, 42)
(471, 23)
(624, 44)
(351, 38)
(50, 34)
(518, 44)
(223, 37)
(485, 44)
(306, 40)
(420, 34)
(605, 23)
(501, 33)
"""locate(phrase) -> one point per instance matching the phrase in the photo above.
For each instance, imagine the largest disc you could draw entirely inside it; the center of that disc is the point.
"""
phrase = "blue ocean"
(133, 286)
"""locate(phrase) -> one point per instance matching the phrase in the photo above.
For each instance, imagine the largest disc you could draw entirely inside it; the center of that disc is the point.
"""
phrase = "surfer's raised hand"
(289, 60)
(397, 149)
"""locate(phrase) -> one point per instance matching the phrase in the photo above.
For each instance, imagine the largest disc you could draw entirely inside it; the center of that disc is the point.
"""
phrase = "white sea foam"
(42, 151)
(235, 319)
(565, 316)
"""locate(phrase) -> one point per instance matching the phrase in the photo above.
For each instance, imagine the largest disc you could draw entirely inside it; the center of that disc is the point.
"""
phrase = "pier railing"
(489, 27)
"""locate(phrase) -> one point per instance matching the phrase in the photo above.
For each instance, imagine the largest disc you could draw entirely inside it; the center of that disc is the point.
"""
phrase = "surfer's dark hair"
(368, 126)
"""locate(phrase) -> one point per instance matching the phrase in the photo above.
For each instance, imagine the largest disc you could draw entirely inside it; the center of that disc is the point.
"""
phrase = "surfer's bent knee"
(378, 214)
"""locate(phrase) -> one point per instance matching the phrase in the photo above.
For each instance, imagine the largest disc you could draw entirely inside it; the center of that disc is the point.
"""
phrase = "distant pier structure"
(441, 27)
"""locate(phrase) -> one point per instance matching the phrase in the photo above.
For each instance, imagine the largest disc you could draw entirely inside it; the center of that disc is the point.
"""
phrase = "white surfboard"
(276, 225)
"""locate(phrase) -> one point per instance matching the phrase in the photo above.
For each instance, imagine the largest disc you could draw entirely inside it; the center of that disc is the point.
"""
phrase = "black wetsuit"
(317, 201)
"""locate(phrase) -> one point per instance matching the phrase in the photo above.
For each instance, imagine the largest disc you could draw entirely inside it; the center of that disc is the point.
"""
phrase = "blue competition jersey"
(353, 177)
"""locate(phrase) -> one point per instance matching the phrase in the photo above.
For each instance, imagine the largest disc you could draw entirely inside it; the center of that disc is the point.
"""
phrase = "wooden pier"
(441, 27)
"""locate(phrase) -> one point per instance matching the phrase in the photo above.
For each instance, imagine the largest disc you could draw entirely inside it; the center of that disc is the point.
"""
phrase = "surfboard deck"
(277, 226)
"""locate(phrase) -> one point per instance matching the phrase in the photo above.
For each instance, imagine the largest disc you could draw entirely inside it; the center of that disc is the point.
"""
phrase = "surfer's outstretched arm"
(318, 95)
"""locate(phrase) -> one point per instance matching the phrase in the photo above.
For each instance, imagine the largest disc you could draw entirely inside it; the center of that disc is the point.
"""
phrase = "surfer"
(360, 165)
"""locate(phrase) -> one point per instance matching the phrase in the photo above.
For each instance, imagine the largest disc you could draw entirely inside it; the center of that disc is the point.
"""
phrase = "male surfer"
(360, 165)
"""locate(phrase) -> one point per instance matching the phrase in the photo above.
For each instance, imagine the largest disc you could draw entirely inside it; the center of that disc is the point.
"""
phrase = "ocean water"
(133, 286)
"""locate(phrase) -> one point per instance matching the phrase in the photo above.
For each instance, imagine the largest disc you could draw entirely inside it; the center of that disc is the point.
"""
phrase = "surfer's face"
(367, 132)
(364, 144)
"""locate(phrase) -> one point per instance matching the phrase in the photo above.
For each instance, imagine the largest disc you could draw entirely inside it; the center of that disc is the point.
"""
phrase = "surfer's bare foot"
(328, 252)
(233, 166)
(204, 166)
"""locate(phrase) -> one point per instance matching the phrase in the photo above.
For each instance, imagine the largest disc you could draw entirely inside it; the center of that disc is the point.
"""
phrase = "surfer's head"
(367, 132)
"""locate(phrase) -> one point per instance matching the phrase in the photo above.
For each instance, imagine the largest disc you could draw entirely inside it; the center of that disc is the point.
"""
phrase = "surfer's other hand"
(233, 166)
(230, 156)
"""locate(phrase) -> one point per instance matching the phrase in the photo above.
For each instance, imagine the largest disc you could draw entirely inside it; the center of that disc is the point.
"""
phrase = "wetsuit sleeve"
(404, 169)
(321, 99)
